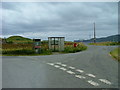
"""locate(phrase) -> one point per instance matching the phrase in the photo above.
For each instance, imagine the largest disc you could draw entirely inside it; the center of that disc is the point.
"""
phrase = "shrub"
(23, 49)
(10, 42)
(46, 52)
(71, 49)
(18, 52)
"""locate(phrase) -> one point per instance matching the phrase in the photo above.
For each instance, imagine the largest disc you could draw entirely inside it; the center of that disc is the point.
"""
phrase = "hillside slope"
(113, 38)
(17, 38)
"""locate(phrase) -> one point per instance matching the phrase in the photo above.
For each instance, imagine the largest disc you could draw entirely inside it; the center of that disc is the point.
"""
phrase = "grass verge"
(71, 49)
(115, 53)
(105, 43)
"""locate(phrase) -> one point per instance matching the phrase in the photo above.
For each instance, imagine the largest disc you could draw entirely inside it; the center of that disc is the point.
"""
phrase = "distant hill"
(113, 38)
(17, 38)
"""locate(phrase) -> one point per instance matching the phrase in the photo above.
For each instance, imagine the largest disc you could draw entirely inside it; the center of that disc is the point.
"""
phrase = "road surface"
(93, 68)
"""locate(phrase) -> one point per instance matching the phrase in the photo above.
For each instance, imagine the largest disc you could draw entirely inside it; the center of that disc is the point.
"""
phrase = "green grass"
(18, 52)
(115, 53)
(24, 52)
(71, 49)
(105, 43)
(18, 39)
(21, 49)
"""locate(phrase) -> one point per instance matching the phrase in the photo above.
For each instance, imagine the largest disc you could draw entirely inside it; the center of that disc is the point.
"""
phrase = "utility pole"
(94, 34)
(89, 36)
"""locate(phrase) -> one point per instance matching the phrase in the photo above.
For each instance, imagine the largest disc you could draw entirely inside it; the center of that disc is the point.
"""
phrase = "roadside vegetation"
(105, 43)
(115, 53)
(22, 49)
(72, 49)
(20, 46)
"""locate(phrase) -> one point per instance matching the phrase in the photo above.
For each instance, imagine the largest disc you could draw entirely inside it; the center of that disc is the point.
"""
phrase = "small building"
(56, 43)
(37, 45)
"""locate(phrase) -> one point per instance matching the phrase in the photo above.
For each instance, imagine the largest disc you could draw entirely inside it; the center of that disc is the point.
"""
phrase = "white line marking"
(91, 75)
(79, 76)
(81, 71)
(70, 72)
(58, 63)
(62, 68)
(63, 65)
(105, 81)
(50, 64)
(71, 67)
(56, 66)
(93, 83)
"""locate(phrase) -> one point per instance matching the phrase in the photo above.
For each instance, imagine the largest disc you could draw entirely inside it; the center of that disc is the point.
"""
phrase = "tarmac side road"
(93, 68)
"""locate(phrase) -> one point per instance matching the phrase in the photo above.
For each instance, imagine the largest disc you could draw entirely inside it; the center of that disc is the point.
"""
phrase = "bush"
(71, 49)
(45, 51)
(10, 42)
(18, 52)
(23, 49)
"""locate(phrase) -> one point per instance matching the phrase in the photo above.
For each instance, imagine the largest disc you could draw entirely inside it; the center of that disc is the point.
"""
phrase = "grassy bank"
(115, 54)
(105, 43)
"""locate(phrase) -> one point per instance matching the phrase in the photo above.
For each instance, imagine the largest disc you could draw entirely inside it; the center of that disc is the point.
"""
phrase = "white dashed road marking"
(50, 64)
(91, 75)
(105, 81)
(79, 76)
(81, 71)
(93, 83)
(56, 66)
(63, 65)
(58, 63)
(71, 67)
(64, 69)
(70, 72)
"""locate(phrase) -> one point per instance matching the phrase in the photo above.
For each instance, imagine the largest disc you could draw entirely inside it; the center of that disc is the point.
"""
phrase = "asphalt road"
(93, 68)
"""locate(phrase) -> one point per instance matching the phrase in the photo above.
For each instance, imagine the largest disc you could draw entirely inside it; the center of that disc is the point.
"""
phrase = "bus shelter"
(56, 43)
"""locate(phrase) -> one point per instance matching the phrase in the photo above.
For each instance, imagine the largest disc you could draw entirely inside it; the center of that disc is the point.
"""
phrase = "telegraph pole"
(94, 34)
(89, 36)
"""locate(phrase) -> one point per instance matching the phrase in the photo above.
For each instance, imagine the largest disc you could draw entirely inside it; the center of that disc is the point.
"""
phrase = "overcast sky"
(68, 19)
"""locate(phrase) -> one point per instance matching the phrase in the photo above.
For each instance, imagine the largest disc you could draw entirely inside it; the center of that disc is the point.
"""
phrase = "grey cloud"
(70, 18)
(6, 5)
